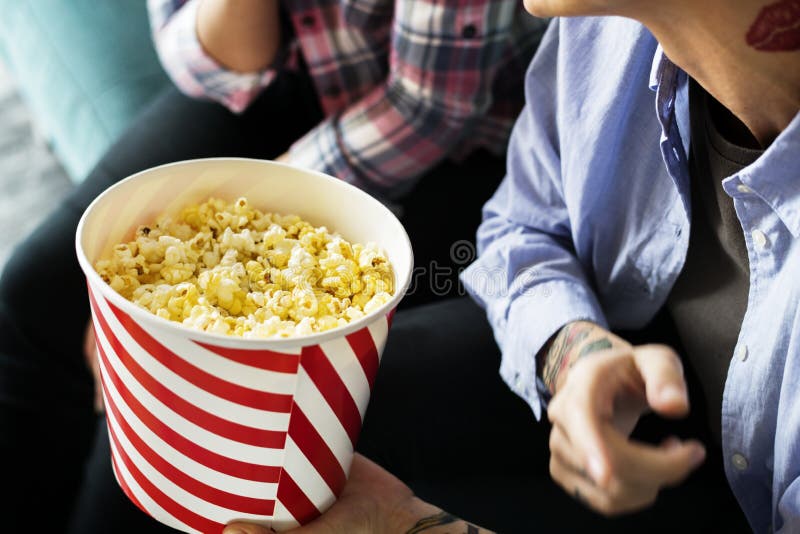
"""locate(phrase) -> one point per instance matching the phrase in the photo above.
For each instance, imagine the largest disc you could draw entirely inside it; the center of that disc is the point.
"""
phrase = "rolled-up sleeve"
(527, 275)
(174, 27)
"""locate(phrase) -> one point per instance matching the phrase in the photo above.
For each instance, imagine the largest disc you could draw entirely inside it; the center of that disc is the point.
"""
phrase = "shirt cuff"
(321, 150)
(532, 319)
(198, 74)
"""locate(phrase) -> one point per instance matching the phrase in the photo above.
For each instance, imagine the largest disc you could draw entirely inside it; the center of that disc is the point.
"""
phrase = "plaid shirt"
(403, 83)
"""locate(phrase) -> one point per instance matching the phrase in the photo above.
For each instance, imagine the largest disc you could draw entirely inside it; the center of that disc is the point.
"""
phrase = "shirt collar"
(659, 60)
(775, 176)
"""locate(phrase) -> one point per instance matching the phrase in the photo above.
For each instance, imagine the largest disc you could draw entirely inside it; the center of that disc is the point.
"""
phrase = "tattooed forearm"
(556, 356)
(442, 518)
(594, 346)
(573, 342)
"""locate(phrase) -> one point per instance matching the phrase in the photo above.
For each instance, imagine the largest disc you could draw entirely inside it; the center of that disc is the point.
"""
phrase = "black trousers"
(440, 418)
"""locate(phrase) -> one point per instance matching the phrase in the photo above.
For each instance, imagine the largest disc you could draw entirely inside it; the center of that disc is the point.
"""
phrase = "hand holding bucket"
(206, 429)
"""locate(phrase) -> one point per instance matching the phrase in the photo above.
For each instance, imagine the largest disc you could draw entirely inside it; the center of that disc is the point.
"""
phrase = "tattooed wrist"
(457, 525)
(571, 343)
(594, 346)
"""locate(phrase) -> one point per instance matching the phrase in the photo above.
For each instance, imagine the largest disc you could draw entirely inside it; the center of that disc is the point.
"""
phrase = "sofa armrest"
(84, 68)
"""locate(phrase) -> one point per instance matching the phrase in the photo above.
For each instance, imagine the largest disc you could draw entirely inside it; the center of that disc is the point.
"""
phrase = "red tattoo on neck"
(777, 27)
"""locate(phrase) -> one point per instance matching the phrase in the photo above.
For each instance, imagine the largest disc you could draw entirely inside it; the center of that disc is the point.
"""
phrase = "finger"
(583, 490)
(665, 386)
(588, 405)
(566, 453)
(89, 347)
(664, 465)
(670, 442)
(90, 353)
(618, 498)
(99, 402)
(580, 425)
(246, 528)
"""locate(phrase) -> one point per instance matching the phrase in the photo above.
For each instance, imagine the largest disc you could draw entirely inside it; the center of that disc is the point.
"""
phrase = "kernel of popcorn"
(305, 305)
(305, 326)
(376, 302)
(126, 250)
(369, 256)
(274, 235)
(242, 242)
(353, 313)
(326, 322)
(300, 259)
(182, 231)
(361, 300)
(281, 252)
(339, 246)
(150, 249)
(168, 241)
(124, 284)
(230, 269)
(229, 258)
(211, 258)
(219, 326)
(336, 285)
(177, 273)
(240, 207)
(314, 239)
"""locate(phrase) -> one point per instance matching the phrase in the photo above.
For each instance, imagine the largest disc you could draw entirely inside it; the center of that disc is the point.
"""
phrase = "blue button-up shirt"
(592, 222)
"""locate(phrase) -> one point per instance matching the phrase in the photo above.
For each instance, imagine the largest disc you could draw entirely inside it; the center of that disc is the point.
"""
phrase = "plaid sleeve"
(444, 58)
(196, 73)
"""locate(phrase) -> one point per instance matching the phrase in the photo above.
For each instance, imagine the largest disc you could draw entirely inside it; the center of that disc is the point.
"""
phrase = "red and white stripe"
(203, 434)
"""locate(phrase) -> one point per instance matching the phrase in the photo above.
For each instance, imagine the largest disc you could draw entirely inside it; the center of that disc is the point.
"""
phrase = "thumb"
(667, 465)
(665, 386)
(246, 528)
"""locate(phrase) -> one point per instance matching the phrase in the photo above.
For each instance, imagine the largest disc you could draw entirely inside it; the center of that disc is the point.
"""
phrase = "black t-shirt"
(709, 299)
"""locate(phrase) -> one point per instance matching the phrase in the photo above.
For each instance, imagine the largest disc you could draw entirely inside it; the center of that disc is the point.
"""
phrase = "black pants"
(464, 441)
(47, 427)
(440, 418)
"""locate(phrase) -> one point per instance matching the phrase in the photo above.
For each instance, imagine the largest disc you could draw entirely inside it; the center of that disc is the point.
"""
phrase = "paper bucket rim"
(402, 280)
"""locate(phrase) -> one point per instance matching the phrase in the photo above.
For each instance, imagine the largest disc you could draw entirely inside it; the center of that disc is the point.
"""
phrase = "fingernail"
(671, 443)
(698, 454)
(595, 468)
(672, 394)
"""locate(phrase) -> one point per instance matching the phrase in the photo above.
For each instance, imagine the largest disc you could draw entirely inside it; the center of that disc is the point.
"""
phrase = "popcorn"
(231, 269)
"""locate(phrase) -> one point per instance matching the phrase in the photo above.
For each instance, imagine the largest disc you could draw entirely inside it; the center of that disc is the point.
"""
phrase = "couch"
(85, 69)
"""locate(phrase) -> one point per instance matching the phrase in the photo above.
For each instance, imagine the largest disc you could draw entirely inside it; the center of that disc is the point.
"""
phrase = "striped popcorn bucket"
(204, 428)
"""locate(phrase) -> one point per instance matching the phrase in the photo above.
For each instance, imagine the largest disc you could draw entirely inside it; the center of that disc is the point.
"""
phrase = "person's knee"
(42, 289)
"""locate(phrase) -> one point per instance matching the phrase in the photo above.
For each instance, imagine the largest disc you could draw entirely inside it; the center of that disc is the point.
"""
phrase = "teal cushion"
(85, 69)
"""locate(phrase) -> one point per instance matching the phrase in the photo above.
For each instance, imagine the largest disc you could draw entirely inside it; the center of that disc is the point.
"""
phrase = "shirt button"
(743, 189)
(308, 20)
(739, 461)
(741, 353)
(333, 91)
(759, 238)
(469, 31)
